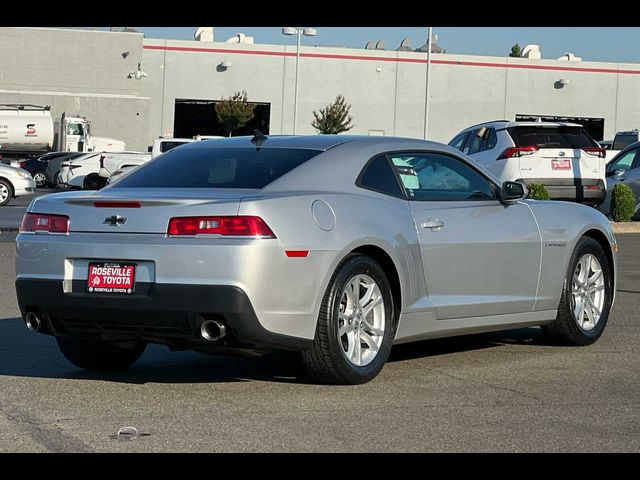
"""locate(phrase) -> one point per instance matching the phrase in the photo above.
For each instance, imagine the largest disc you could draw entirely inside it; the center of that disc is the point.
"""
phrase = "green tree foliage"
(334, 118)
(515, 51)
(623, 203)
(234, 112)
(537, 191)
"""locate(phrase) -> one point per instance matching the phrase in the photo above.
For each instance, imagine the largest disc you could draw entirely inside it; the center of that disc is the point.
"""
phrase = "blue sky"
(617, 44)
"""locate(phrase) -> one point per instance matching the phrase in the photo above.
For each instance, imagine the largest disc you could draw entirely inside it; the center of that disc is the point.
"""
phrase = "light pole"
(426, 94)
(307, 32)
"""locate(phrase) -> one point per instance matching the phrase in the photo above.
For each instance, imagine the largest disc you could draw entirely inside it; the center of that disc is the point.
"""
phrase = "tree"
(234, 112)
(515, 51)
(334, 118)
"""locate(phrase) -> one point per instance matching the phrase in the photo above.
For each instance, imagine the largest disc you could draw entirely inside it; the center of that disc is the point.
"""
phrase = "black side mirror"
(512, 192)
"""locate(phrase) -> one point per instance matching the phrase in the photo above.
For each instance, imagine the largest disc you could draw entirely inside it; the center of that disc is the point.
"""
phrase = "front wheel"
(355, 327)
(100, 356)
(40, 177)
(6, 192)
(586, 296)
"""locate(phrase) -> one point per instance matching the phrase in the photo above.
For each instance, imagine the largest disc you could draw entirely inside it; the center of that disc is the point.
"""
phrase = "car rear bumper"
(588, 191)
(159, 313)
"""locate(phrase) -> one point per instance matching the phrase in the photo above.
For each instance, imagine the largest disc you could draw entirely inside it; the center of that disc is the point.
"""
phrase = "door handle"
(433, 224)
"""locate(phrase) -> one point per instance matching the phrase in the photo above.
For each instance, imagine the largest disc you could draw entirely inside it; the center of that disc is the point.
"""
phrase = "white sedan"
(14, 182)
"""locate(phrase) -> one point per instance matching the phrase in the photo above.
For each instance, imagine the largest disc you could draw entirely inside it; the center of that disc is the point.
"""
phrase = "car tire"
(593, 292)
(92, 181)
(57, 181)
(6, 192)
(40, 177)
(333, 358)
(100, 356)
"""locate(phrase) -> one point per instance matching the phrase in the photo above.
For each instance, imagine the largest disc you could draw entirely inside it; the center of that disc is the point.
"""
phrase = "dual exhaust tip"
(33, 322)
(212, 330)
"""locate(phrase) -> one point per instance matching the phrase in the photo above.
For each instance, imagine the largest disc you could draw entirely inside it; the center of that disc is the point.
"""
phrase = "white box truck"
(27, 131)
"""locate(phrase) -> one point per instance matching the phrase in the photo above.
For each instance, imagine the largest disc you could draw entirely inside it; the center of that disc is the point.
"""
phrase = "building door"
(198, 117)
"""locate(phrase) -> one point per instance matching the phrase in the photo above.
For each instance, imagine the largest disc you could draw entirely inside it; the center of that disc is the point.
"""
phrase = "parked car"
(623, 139)
(112, 162)
(562, 156)
(313, 244)
(624, 168)
(53, 168)
(206, 137)
(14, 182)
(162, 145)
(76, 172)
(38, 166)
(121, 173)
(606, 144)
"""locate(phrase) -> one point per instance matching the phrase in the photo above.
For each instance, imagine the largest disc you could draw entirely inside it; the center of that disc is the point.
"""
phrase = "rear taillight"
(41, 222)
(22, 164)
(239, 226)
(518, 151)
(600, 152)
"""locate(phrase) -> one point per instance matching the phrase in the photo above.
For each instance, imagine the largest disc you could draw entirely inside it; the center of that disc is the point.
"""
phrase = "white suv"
(562, 156)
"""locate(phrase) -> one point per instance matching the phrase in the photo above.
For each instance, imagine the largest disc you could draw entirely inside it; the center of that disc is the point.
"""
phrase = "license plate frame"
(121, 273)
(561, 164)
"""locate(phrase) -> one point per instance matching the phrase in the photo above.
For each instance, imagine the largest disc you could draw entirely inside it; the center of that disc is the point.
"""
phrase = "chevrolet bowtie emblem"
(114, 220)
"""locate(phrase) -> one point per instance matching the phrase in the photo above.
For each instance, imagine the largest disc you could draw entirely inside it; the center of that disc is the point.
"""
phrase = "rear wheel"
(355, 327)
(93, 181)
(586, 297)
(100, 356)
(57, 181)
(6, 192)
(40, 177)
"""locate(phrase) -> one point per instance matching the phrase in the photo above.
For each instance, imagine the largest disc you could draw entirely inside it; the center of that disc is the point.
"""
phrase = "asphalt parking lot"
(509, 391)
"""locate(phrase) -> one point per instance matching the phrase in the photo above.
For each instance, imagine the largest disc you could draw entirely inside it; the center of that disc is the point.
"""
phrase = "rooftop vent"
(531, 51)
(203, 34)
(405, 45)
(240, 38)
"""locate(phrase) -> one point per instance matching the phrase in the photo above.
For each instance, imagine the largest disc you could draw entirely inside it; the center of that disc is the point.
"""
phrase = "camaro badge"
(114, 220)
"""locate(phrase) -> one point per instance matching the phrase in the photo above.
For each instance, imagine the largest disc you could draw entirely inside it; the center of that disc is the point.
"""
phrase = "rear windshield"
(216, 168)
(623, 141)
(551, 137)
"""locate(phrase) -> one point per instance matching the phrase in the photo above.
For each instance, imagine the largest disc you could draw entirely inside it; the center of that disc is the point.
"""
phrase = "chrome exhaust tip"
(212, 330)
(33, 322)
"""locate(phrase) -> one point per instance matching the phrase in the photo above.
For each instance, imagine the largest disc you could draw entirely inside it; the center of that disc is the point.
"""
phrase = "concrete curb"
(625, 227)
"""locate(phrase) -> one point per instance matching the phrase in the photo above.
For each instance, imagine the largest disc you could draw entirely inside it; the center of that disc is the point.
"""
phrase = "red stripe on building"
(393, 59)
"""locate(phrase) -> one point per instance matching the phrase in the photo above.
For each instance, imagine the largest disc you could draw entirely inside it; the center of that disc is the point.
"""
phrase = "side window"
(441, 178)
(624, 162)
(490, 140)
(379, 176)
(473, 143)
(458, 141)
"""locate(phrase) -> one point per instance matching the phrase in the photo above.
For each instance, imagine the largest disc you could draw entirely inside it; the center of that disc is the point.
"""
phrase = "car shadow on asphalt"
(24, 354)
(465, 343)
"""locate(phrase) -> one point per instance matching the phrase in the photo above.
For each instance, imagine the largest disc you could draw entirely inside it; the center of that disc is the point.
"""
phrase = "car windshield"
(206, 167)
(551, 137)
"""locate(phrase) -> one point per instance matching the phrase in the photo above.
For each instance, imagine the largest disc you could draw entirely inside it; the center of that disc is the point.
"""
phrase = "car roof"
(309, 142)
(508, 124)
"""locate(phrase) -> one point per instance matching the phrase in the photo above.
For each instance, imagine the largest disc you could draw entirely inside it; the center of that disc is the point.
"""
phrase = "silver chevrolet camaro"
(334, 247)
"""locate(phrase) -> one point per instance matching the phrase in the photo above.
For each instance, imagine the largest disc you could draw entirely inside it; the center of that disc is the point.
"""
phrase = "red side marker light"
(297, 253)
